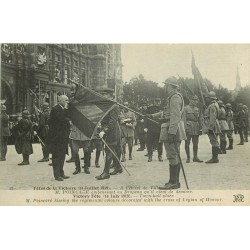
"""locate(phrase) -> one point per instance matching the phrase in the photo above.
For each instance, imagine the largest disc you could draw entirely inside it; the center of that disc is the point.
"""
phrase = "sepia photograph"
(85, 124)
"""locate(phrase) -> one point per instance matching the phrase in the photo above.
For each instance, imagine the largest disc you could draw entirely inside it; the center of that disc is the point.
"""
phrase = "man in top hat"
(172, 130)
(192, 121)
(246, 122)
(230, 122)
(58, 136)
(153, 131)
(211, 125)
(43, 129)
(5, 132)
(223, 127)
(23, 142)
(111, 133)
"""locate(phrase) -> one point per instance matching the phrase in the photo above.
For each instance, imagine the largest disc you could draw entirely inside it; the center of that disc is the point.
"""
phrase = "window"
(57, 57)
(66, 75)
(76, 63)
(66, 60)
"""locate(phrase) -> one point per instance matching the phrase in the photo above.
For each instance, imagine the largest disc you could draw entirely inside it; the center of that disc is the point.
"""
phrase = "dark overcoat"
(59, 129)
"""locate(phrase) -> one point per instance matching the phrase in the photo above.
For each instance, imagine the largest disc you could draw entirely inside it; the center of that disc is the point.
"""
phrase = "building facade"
(34, 73)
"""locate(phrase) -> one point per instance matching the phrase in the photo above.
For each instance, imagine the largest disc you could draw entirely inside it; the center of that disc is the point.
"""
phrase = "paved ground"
(232, 172)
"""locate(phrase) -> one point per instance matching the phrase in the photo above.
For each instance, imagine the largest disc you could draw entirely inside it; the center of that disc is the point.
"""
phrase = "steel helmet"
(172, 80)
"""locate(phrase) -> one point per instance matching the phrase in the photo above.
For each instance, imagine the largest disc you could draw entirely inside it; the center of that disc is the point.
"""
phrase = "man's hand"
(35, 133)
(101, 134)
(145, 130)
(171, 138)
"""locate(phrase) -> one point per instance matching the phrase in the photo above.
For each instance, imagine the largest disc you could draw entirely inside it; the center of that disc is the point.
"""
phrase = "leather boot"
(195, 149)
(230, 147)
(77, 164)
(187, 152)
(149, 158)
(87, 165)
(174, 178)
(118, 170)
(224, 147)
(97, 157)
(214, 158)
(25, 160)
(103, 176)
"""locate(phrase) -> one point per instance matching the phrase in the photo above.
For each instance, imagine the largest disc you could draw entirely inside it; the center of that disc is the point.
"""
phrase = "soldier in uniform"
(128, 123)
(5, 132)
(241, 123)
(192, 121)
(246, 122)
(172, 130)
(111, 132)
(43, 129)
(211, 125)
(140, 127)
(230, 119)
(223, 127)
(153, 132)
(23, 142)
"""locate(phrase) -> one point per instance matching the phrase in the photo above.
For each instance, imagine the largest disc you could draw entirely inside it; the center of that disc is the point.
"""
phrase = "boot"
(173, 183)
(224, 147)
(130, 153)
(230, 147)
(77, 164)
(25, 160)
(149, 158)
(160, 158)
(97, 156)
(118, 170)
(214, 159)
(87, 165)
(187, 153)
(103, 176)
(195, 149)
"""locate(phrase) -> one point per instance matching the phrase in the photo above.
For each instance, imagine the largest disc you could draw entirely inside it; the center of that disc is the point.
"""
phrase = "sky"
(218, 63)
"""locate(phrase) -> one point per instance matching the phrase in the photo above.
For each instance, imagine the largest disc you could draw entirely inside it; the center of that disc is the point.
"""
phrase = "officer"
(43, 129)
(172, 130)
(153, 131)
(223, 127)
(246, 122)
(241, 123)
(23, 143)
(140, 127)
(5, 132)
(192, 121)
(211, 125)
(111, 133)
(230, 119)
(128, 123)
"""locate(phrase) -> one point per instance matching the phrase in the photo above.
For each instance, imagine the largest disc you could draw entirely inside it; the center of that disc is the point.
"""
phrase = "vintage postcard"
(125, 124)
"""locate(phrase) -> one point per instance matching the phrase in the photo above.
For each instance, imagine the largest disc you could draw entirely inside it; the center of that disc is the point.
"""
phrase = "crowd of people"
(152, 126)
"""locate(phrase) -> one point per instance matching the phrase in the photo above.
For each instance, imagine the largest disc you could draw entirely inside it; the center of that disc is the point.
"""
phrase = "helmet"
(220, 102)
(195, 98)
(228, 105)
(3, 107)
(211, 95)
(244, 106)
(25, 112)
(45, 105)
(172, 80)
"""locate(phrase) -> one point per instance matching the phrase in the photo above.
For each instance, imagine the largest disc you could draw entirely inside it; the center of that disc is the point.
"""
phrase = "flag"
(200, 86)
(87, 110)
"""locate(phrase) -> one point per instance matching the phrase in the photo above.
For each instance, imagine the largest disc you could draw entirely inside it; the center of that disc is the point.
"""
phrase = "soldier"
(111, 131)
(140, 127)
(5, 132)
(230, 119)
(153, 132)
(246, 122)
(23, 142)
(192, 121)
(241, 123)
(211, 125)
(223, 127)
(43, 129)
(128, 123)
(172, 130)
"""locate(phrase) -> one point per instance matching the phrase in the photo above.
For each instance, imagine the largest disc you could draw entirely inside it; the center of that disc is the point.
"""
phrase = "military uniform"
(140, 125)
(223, 127)
(43, 129)
(172, 131)
(230, 122)
(241, 125)
(5, 132)
(211, 126)
(128, 123)
(153, 134)
(246, 122)
(192, 121)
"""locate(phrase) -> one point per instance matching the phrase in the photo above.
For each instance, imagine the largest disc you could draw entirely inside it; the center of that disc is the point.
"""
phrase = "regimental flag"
(88, 109)
(200, 85)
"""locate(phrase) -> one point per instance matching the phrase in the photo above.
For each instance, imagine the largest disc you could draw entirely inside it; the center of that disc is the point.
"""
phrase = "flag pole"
(99, 95)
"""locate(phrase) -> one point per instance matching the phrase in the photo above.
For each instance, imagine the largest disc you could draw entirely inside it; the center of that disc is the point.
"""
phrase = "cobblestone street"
(232, 172)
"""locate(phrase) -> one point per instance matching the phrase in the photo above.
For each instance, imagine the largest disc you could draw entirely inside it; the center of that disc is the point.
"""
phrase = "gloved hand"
(35, 133)
(171, 138)
(145, 130)
(101, 134)
(142, 120)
